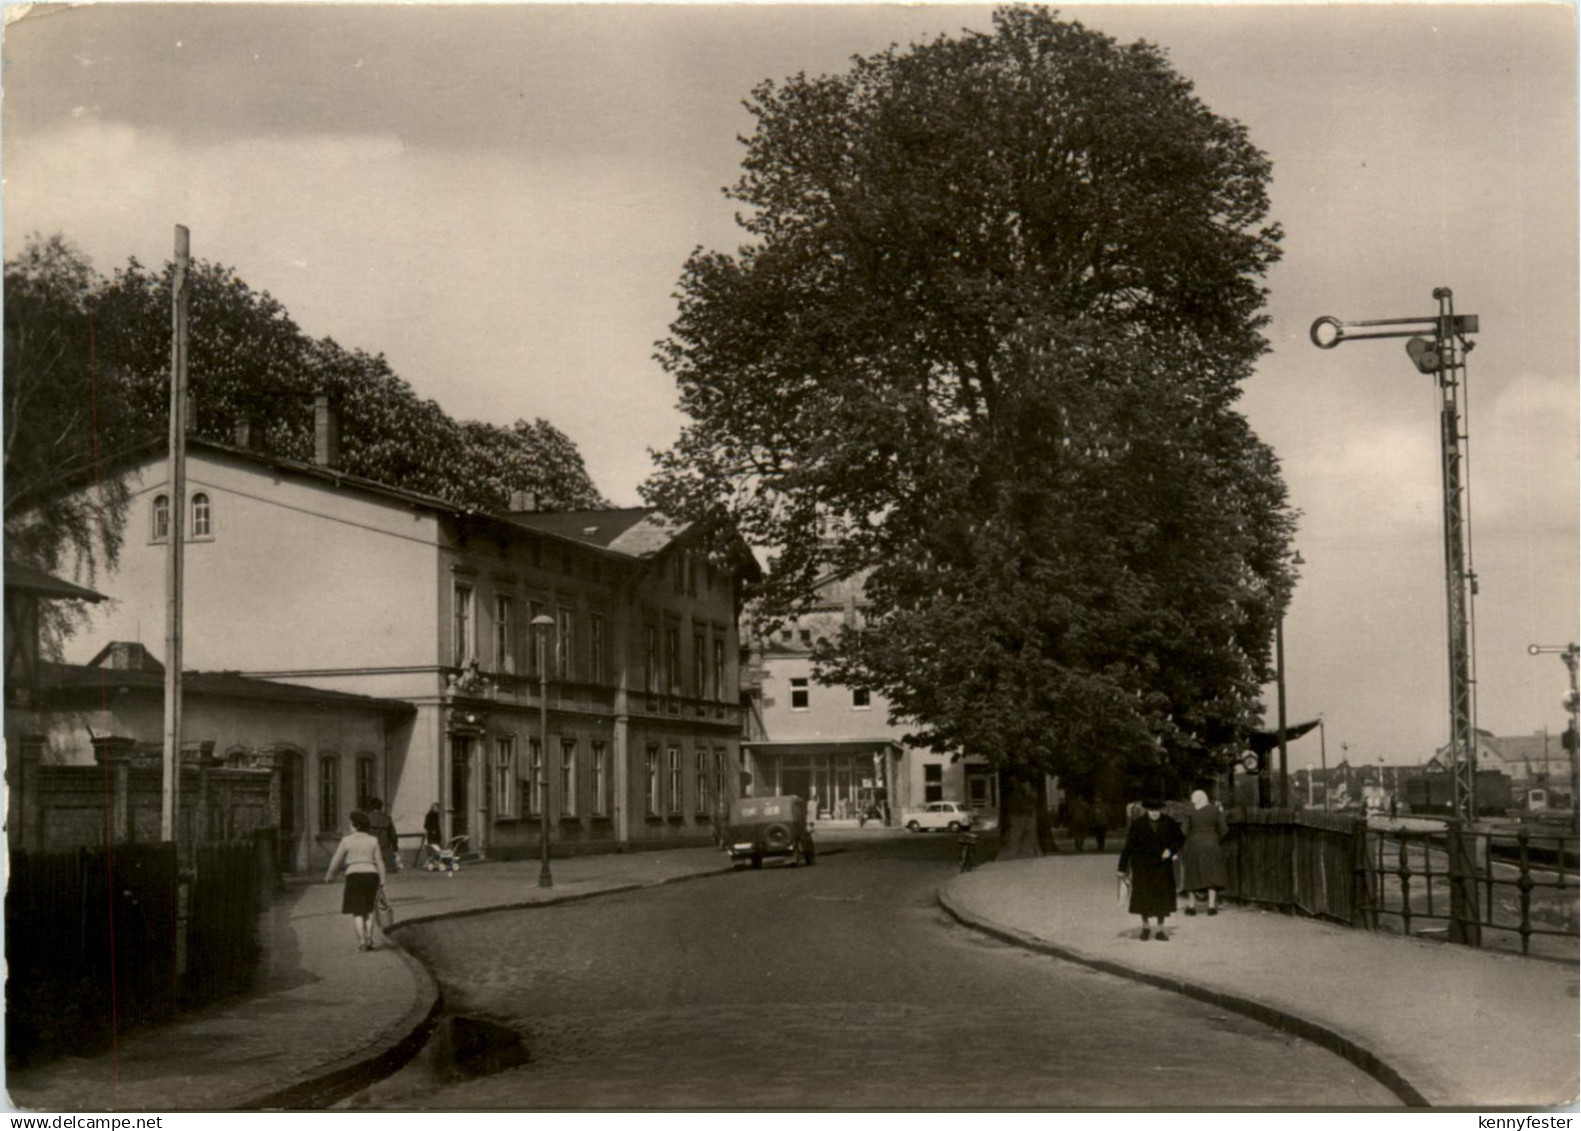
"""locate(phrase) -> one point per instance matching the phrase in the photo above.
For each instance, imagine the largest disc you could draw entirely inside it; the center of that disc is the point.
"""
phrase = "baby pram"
(445, 858)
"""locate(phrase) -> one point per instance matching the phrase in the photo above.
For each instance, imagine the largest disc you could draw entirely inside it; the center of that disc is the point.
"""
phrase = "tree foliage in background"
(247, 358)
(87, 376)
(63, 413)
(984, 345)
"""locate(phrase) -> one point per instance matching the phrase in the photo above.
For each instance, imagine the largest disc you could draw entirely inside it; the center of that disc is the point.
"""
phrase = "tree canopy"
(87, 376)
(983, 345)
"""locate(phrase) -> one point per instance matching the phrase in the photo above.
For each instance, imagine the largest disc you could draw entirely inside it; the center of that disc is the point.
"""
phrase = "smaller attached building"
(258, 754)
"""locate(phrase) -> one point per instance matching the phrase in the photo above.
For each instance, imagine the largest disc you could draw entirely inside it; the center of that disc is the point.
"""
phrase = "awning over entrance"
(837, 746)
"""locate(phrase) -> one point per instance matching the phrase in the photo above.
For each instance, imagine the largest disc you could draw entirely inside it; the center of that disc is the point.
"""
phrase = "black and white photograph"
(912, 560)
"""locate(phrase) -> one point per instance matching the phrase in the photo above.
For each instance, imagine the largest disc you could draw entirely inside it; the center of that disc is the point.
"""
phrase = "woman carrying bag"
(363, 859)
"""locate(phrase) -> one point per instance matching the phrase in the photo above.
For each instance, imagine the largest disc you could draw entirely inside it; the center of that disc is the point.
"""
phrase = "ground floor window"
(933, 782)
(535, 782)
(600, 788)
(505, 775)
(675, 779)
(329, 794)
(367, 787)
(653, 781)
(704, 795)
(568, 777)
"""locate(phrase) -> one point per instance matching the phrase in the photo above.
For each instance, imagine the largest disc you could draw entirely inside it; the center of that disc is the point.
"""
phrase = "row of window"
(560, 638)
(662, 670)
(526, 793)
(199, 525)
(329, 815)
(801, 695)
(664, 789)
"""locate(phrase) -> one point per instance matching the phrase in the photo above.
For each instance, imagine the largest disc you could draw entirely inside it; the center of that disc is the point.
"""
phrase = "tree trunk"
(1024, 826)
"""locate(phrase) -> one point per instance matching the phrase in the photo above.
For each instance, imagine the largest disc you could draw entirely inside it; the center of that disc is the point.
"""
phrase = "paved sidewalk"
(325, 1017)
(1442, 1025)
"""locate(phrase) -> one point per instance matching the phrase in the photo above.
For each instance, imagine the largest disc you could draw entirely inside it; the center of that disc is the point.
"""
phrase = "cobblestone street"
(842, 985)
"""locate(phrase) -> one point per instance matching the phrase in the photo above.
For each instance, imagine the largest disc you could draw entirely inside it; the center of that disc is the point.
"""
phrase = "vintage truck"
(769, 826)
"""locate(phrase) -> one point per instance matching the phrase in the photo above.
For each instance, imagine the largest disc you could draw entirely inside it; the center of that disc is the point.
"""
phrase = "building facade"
(835, 745)
(612, 623)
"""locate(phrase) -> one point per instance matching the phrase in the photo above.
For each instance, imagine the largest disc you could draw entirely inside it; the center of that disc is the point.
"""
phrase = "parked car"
(769, 826)
(950, 815)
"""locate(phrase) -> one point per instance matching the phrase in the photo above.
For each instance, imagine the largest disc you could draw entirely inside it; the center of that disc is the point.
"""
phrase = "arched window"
(200, 516)
(161, 518)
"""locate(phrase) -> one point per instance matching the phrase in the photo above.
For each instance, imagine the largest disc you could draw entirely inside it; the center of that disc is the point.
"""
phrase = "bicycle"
(968, 842)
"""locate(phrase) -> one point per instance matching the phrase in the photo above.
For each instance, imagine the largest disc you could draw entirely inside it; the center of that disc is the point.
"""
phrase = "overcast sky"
(500, 199)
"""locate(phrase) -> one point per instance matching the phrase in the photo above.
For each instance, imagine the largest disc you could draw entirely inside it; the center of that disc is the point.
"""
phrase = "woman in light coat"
(361, 855)
(1203, 860)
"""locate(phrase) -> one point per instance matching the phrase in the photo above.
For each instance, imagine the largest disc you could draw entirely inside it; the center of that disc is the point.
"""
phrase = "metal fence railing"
(1507, 887)
(1500, 885)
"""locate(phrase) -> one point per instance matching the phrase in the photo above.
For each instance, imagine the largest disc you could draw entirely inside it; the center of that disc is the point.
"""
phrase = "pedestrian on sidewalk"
(1203, 872)
(360, 853)
(431, 833)
(1148, 858)
(382, 829)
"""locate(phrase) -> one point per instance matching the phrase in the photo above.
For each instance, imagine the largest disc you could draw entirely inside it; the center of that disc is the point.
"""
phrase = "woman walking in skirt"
(1203, 859)
(1148, 856)
(363, 858)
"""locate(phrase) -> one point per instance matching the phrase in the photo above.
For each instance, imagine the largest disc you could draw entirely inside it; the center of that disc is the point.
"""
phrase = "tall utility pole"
(1443, 357)
(170, 800)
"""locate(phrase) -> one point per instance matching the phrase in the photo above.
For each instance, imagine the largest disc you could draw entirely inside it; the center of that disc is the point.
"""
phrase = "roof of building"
(69, 679)
(604, 528)
(26, 579)
(1530, 749)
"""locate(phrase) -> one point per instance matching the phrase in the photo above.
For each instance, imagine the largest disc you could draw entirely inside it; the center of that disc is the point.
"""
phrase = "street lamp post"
(541, 625)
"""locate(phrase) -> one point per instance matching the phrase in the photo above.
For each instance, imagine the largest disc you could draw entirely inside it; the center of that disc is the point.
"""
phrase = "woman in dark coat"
(1148, 857)
(1203, 859)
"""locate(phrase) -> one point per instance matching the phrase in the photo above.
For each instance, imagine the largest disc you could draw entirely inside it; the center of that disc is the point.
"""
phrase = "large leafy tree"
(983, 346)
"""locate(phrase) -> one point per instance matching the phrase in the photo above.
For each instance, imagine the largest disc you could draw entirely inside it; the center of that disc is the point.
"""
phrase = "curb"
(1294, 1024)
(360, 1069)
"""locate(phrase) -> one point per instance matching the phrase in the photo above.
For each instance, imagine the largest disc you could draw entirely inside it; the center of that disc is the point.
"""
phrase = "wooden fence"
(103, 940)
(1298, 860)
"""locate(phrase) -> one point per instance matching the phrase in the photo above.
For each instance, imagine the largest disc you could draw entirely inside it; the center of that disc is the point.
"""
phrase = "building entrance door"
(460, 782)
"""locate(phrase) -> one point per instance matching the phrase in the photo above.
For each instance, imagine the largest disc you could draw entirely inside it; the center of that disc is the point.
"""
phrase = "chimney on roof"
(524, 501)
(326, 432)
(248, 434)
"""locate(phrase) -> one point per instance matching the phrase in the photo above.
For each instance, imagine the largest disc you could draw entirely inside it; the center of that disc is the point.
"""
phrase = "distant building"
(1531, 761)
(300, 573)
(835, 745)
